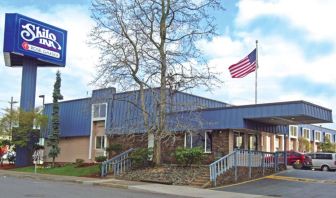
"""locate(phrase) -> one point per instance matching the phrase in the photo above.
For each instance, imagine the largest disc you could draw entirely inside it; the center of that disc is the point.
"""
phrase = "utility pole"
(12, 102)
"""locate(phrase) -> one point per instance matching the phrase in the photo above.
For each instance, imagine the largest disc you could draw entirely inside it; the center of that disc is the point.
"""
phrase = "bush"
(188, 156)
(114, 147)
(140, 156)
(100, 158)
(79, 162)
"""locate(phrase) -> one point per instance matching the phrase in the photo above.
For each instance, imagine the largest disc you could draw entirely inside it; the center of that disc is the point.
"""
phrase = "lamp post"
(41, 142)
(42, 96)
(12, 102)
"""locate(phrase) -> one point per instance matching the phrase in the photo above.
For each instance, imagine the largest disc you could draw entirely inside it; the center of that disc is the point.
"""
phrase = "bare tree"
(153, 43)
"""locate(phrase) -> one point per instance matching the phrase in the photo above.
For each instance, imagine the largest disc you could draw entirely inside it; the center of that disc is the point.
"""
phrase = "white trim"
(102, 146)
(303, 129)
(297, 131)
(105, 144)
(91, 131)
(205, 142)
(315, 140)
(91, 127)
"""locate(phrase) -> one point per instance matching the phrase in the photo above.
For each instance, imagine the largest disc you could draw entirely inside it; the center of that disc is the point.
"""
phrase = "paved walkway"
(115, 183)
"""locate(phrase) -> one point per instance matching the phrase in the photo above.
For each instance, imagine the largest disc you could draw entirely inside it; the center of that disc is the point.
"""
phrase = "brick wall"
(222, 144)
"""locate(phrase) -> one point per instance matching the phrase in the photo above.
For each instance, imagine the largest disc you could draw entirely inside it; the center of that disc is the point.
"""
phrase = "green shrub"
(100, 158)
(140, 156)
(79, 162)
(114, 147)
(188, 156)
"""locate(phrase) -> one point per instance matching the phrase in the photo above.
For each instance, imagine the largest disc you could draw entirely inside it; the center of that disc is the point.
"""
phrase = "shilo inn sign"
(34, 39)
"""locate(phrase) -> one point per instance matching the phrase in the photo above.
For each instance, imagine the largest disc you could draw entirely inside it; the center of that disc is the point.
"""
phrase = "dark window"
(100, 142)
(323, 156)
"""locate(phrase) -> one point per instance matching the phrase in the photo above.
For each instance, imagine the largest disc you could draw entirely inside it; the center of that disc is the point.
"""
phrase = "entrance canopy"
(268, 117)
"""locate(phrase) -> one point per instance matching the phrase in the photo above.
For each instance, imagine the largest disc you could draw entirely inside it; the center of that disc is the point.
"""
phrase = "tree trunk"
(53, 162)
(157, 151)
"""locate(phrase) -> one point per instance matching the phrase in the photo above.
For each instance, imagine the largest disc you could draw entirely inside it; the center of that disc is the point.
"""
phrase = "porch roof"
(269, 117)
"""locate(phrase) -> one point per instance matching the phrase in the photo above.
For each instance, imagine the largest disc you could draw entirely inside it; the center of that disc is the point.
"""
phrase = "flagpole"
(256, 75)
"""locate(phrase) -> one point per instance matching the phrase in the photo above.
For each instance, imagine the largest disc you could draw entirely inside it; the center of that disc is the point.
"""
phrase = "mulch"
(7, 166)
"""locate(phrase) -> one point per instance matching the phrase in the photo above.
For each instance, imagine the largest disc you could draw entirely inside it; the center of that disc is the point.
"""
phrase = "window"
(100, 142)
(305, 133)
(318, 136)
(323, 156)
(293, 131)
(99, 111)
(327, 137)
(199, 139)
(238, 140)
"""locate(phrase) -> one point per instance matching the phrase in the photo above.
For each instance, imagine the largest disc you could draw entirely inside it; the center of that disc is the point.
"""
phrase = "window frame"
(297, 129)
(318, 140)
(206, 136)
(102, 142)
(330, 137)
(99, 111)
(303, 133)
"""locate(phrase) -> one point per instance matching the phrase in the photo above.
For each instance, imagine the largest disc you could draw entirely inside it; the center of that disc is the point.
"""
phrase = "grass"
(69, 170)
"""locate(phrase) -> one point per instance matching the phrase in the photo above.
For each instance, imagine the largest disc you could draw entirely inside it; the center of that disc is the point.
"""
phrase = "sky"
(296, 44)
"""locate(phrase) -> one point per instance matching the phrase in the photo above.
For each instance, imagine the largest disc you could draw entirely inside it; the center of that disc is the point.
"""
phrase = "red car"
(302, 159)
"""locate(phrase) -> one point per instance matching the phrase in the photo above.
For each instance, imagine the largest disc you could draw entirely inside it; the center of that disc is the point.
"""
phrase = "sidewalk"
(132, 185)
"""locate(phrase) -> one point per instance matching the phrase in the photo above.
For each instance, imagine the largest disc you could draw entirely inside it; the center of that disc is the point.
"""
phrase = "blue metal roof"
(123, 112)
(75, 117)
(127, 116)
(271, 117)
(186, 112)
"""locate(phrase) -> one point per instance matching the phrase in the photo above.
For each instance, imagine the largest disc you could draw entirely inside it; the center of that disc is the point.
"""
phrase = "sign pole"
(256, 76)
(27, 104)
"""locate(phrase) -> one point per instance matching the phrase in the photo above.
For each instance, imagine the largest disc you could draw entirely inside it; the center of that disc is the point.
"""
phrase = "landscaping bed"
(169, 174)
(7, 166)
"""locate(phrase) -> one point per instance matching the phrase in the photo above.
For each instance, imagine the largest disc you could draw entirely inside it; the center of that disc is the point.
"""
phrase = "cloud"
(313, 16)
(296, 59)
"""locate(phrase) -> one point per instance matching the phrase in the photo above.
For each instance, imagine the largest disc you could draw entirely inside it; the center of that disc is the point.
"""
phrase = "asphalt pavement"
(18, 184)
(291, 183)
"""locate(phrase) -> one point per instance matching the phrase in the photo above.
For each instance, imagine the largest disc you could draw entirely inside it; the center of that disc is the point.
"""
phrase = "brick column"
(245, 136)
(281, 143)
(272, 136)
(231, 141)
(287, 143)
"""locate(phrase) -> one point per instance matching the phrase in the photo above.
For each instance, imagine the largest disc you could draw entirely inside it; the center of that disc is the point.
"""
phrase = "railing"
(222, 165)
(245, 158)
(118, 164)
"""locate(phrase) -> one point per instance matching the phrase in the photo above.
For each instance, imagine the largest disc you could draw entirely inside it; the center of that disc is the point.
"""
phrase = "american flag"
(244, 66)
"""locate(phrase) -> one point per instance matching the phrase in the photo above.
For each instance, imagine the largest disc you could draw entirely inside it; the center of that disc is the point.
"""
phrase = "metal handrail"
(244, 158)
(118, 164)
(221, 165)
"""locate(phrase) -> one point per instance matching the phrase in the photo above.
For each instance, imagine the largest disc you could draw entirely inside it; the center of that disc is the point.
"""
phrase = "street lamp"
(41, 139)
(12, 102)
(42, 96)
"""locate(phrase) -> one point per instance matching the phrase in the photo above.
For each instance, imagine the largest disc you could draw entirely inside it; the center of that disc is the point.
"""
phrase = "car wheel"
(325, 168)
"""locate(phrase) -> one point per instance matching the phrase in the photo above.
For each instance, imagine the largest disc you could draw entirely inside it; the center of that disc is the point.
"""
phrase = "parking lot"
(291, 183)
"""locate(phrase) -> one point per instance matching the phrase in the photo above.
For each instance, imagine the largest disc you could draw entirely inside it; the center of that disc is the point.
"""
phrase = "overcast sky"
(296, 50)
